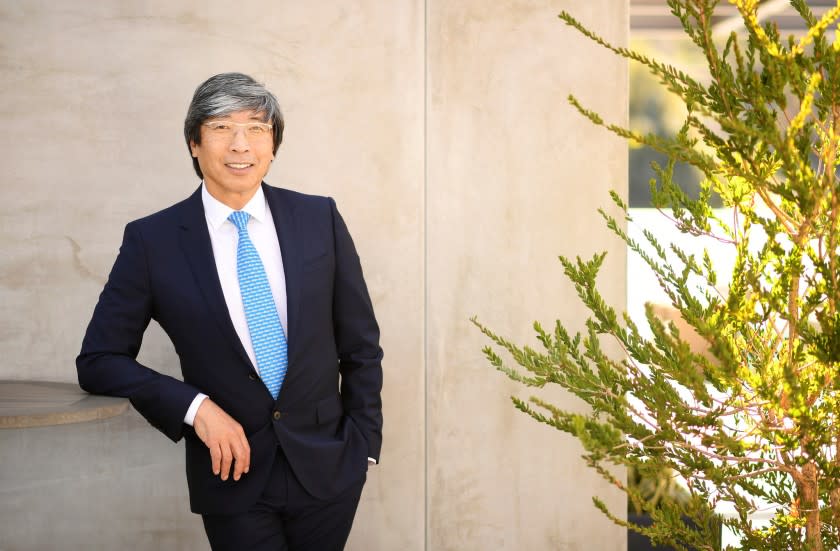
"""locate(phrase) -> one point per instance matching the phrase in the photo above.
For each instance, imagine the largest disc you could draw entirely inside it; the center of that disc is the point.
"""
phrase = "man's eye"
(219, 127)
(256, 129)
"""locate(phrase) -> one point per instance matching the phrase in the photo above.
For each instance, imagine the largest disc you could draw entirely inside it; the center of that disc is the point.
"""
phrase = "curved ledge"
(25, 404)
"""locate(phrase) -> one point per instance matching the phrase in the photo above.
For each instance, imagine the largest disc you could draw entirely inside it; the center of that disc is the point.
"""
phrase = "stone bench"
(25, 404)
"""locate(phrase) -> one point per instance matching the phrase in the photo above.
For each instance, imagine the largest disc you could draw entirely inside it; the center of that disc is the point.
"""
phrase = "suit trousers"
(287, 517)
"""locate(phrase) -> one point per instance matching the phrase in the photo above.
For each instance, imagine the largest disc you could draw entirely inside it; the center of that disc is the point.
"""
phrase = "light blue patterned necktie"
(267, 336)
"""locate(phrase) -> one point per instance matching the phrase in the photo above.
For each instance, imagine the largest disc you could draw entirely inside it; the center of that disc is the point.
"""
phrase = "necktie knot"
(239, 219)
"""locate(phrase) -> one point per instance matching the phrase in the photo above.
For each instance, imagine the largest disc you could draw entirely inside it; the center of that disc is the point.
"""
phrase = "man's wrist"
(189, 418)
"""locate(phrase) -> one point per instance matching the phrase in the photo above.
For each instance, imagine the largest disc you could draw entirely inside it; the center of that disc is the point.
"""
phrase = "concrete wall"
(515, 178)
(442, 130)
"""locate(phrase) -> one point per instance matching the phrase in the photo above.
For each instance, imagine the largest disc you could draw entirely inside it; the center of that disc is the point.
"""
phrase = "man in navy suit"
(279, 430)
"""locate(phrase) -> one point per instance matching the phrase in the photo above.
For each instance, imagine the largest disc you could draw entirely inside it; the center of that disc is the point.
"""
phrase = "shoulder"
(181, 213)
(296, 198)
(299, 203)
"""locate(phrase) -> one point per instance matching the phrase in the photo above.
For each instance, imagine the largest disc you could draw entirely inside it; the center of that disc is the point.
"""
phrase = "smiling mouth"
(238, 165)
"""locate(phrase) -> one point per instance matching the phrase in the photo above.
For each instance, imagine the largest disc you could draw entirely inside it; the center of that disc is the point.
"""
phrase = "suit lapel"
(282, 211)
(195, 243)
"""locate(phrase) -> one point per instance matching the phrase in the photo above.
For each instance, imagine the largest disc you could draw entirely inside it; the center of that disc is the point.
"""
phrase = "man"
(261, 291)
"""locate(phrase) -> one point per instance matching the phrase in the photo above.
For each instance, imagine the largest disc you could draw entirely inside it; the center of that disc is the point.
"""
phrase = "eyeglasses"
(227, 129)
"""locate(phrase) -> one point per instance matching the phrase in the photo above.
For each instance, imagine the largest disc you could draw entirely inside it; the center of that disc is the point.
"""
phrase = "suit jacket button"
(277, 415)
(252, 376)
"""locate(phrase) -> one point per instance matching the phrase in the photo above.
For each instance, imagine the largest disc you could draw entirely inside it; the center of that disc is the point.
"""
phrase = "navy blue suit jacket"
(327, 418)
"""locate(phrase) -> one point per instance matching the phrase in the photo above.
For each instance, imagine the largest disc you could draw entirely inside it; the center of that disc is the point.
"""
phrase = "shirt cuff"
(372, 461)
(189, 418)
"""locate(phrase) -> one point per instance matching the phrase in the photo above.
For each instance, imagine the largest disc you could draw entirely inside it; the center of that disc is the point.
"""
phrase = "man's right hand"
(225, 439)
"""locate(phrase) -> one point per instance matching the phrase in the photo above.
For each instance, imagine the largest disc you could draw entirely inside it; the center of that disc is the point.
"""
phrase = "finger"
(215, 458)
(238, 464)
(227, 459)
(242, 455)
(246, 454)
(238, 458)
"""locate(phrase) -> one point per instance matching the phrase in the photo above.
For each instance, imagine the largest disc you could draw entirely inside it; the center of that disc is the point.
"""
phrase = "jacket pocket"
(328, 410)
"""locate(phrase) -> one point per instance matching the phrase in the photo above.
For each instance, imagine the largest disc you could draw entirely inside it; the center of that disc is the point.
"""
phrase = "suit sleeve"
(357, 340)
(107, 362)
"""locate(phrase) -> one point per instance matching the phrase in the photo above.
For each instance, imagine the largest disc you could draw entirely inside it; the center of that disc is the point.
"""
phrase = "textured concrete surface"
(515, 178)
(95, 486)
(442, 131)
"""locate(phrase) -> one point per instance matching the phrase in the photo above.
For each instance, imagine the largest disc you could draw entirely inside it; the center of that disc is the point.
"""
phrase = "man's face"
(235, 154)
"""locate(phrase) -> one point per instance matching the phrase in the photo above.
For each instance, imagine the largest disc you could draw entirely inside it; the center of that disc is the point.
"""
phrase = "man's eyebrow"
(254, 117)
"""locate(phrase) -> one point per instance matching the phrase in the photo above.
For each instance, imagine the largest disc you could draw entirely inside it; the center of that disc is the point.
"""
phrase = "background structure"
(443, 132)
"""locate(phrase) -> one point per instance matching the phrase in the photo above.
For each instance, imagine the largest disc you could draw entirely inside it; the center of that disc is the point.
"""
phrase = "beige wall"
(442, 130)
(515, 177)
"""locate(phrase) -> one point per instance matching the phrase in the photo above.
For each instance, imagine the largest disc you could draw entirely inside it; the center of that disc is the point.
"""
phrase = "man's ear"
(193, 147)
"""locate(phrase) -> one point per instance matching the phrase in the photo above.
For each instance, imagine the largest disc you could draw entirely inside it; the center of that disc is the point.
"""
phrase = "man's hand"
(225, 439)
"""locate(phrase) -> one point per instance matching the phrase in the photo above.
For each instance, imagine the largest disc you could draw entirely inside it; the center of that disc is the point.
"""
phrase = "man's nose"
(239, 141)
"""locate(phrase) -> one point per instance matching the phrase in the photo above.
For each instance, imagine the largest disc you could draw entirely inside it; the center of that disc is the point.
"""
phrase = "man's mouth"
(238, 165)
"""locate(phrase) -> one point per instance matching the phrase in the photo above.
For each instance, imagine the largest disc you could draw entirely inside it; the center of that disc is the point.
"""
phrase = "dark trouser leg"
(321, 525)
(287, 518)
(251, 531)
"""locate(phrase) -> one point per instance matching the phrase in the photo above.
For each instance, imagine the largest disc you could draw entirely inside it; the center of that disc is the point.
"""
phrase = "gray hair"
(224, 94)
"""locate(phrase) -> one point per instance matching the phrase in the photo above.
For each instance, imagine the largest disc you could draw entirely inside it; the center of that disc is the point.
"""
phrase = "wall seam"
(426, 519)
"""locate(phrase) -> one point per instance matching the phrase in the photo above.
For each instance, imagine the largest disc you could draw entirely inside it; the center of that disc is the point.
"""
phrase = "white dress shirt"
(224, 238)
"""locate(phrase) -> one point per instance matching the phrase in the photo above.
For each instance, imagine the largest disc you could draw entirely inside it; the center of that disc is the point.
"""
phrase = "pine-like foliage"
(753, 421)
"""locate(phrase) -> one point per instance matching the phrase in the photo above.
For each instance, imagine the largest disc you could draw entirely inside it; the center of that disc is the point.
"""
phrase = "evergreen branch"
(675, 80)
(802, 8)
(704, 20)
(787, 222)
(753, 474)
(668, 147)
(778, 465)
(815, 30)
(805, 108)
(749, 12)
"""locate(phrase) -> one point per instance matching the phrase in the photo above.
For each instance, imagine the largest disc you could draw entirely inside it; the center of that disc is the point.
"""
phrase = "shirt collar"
(217, 212)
